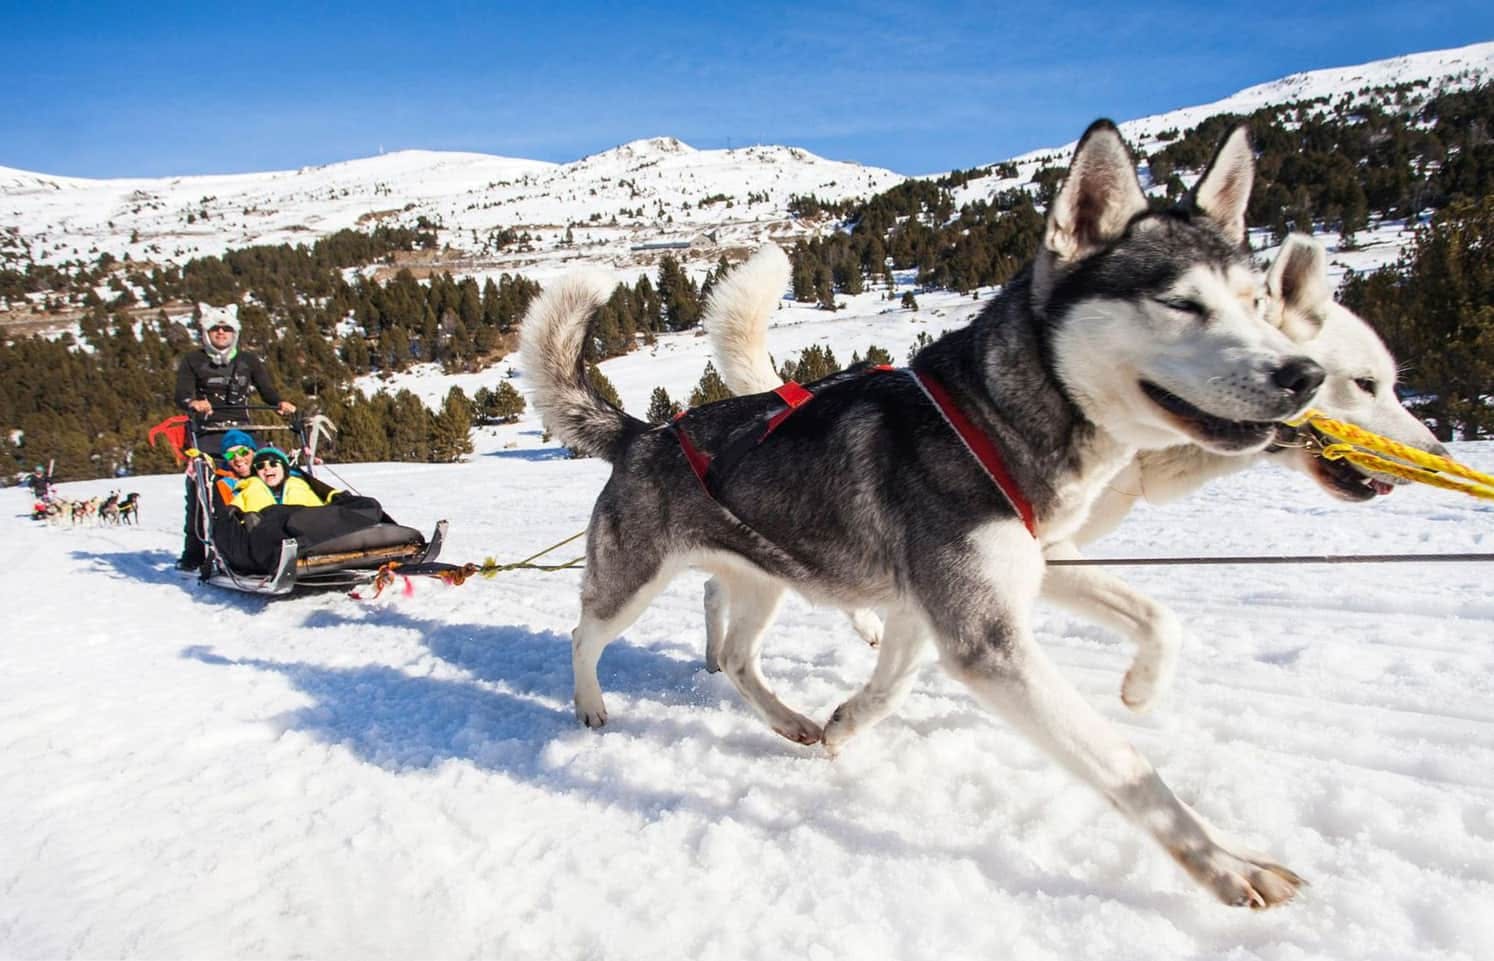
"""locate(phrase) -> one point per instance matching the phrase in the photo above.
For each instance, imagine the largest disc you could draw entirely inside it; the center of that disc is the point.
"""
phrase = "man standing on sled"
(213, 383)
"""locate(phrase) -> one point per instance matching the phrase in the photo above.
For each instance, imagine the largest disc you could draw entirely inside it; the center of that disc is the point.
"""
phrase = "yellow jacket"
(255, 495)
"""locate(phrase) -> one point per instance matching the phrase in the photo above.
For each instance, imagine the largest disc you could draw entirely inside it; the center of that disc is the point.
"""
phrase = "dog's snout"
(1300, 377)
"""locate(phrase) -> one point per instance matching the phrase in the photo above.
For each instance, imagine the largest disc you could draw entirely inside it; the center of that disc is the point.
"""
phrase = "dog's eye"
(1367, 384)
(1184, 305)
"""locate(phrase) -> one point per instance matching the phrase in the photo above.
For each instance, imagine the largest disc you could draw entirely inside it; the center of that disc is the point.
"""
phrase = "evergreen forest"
(349, 305)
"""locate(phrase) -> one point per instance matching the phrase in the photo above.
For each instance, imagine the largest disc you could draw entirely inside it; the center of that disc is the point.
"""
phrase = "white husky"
(1359, 388)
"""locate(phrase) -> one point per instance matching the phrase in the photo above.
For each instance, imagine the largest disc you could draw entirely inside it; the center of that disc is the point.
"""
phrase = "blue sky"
(154, 89)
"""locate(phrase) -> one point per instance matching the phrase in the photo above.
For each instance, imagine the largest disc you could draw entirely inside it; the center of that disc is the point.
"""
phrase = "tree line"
(328, 313)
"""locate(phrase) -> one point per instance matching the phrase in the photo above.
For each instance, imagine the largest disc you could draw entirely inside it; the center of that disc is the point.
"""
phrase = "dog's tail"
(551, 344)
(736, 318)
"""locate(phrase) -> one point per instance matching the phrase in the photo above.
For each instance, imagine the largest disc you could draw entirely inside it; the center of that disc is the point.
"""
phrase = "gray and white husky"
(1359, 388)
(1131, 330)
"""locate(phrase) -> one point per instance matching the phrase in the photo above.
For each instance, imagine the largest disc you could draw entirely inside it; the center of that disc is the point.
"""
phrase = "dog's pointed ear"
(1098, 198)
(1223, 192)
(1298, 283)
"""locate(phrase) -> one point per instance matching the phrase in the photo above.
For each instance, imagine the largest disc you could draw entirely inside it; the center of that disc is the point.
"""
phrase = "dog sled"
(318, 556)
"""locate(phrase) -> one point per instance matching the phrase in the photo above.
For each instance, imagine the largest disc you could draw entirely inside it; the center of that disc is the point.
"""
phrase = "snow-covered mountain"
(1430, 73)
(651, 191)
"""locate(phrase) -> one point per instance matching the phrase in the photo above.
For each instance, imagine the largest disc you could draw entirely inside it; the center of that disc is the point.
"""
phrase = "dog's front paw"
(590, 714)
(1146, 682)
(838, 730)
(868, 624)
(799, 729)
(1244, 881)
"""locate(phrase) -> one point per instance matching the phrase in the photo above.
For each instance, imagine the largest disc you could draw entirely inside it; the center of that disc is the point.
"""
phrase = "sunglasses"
(234, 453)
(220, 329)
(260, 465)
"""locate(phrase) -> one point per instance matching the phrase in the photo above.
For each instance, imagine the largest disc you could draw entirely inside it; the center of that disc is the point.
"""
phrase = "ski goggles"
(234, 453)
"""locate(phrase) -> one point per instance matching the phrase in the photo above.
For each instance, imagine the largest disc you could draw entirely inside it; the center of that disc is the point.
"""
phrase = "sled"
(344, 561)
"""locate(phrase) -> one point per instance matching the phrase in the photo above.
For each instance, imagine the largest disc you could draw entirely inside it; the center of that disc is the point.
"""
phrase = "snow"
(194, 773)
(190, 772)
(638, 192)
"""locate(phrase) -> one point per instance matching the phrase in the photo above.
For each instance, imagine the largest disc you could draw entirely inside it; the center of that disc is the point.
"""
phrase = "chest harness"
(712, 470)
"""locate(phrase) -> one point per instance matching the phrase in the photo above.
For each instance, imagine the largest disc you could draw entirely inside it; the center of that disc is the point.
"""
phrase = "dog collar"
(976, 441)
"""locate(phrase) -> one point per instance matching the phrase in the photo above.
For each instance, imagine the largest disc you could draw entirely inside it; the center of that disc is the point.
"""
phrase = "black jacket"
(225, 386)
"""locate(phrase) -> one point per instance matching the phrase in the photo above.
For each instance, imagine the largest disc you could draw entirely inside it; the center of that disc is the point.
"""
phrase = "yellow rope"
(1361, 447)
(491, 568)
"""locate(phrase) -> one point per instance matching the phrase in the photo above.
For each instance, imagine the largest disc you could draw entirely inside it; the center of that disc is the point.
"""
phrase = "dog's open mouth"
(1341, 478)
(1215, 432)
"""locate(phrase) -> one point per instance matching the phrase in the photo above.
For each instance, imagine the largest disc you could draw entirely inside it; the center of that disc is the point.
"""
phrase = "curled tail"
(552, 341)
(736, 318)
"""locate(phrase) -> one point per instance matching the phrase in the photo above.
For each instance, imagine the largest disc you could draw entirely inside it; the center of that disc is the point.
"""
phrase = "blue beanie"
(237, 438)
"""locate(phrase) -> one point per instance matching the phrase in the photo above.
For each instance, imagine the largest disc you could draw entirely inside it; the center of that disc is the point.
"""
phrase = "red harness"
(709, 470)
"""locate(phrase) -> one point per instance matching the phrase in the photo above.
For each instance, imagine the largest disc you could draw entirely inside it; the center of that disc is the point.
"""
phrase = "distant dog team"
(113, 509)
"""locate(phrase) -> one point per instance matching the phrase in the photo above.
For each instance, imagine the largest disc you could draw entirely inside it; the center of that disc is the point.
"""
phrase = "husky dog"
(1359, 388)
(1132, 329)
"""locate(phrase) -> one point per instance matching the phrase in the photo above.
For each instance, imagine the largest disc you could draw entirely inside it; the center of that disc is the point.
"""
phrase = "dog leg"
(1107, 600)
(904, 638)
(1011, 675)
(612, 597)
(715, 603)
(752, 603)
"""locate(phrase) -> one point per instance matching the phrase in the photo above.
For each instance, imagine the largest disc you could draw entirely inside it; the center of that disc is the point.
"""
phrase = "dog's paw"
(1146, 682)
(1244, 881)
(592, 715)
(799, 729)
(837, 731)
(867, 624)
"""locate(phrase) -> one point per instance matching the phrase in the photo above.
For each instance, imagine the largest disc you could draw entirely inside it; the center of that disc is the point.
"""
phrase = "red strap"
(979, 445)
(795, 397)
(699, 462)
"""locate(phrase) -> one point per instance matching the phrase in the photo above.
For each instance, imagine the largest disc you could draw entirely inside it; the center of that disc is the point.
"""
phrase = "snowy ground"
(195, 773)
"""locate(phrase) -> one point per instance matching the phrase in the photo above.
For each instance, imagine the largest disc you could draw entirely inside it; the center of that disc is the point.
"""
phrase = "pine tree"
(814, 363)
(603, 386)
(680, 298)
(710, 389)
(451, 434)
(506, 404)
(661, 410)
(1435, 309)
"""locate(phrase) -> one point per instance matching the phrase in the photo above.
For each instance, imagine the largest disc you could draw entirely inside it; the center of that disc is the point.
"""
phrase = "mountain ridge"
(600, 207)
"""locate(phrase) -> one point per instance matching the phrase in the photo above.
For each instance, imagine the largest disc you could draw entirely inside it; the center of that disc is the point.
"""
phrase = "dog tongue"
(1381, 487)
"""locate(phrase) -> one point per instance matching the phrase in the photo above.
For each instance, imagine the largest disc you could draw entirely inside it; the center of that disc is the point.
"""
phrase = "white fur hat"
(218, 317)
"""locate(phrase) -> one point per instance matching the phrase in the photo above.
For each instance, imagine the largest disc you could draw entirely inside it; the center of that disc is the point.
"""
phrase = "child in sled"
(276, 502)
